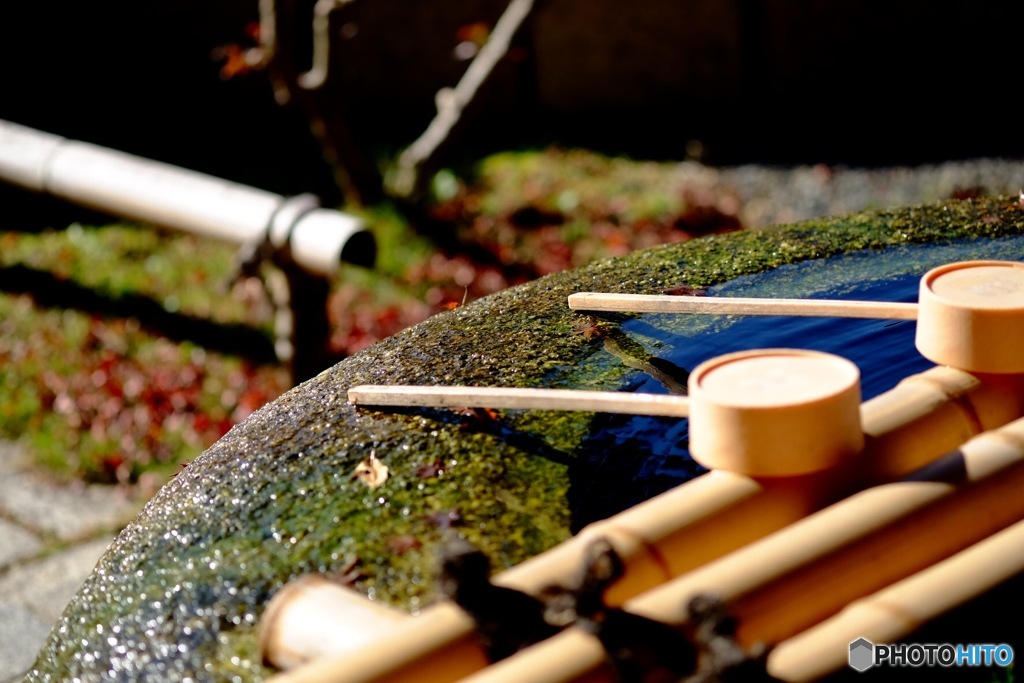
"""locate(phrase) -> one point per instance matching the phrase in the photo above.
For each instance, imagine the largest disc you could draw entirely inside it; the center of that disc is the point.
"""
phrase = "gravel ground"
(768, 196)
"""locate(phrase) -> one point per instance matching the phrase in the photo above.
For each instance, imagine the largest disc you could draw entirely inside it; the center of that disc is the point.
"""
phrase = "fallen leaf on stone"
(371, 471)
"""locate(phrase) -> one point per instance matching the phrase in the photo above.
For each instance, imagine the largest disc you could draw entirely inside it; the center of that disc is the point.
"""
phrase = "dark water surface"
(627, 459)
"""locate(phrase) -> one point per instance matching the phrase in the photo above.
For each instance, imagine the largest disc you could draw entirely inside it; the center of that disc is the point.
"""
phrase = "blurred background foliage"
(123, 354)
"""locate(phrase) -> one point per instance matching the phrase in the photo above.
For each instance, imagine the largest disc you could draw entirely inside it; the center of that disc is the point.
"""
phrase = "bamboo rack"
(923, 417)
(807, 572)
(897, 611)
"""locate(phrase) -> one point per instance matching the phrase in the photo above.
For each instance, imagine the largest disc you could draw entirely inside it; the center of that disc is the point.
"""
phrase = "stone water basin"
(180, 592)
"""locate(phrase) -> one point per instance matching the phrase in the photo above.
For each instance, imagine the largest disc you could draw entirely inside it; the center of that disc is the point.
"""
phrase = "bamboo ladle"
(970, 314)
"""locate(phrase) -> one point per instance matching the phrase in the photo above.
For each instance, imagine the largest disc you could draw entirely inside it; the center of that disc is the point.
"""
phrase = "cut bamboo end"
(972, 316)
(662, 303)
(520, 398)
(439, 645)
(312, 617)
(775, 412)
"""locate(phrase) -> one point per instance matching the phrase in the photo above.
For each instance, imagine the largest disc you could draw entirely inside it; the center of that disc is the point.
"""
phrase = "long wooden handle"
(663, 303)
(537, 399)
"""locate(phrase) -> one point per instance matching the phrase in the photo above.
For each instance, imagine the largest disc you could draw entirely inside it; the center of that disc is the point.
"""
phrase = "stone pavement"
(51, 536)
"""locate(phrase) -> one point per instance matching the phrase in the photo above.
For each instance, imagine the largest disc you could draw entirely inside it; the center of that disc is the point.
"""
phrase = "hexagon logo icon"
(862, 654)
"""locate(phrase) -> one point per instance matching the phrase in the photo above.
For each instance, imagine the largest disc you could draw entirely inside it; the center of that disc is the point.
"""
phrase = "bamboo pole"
(788, 581)
(524, 398)
(924, 416)
(894, 613)
(663, 303)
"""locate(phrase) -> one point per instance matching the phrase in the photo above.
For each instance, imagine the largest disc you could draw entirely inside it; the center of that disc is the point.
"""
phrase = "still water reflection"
(627, 459)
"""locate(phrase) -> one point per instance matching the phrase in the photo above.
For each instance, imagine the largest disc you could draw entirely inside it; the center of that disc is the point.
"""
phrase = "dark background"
(767, 81)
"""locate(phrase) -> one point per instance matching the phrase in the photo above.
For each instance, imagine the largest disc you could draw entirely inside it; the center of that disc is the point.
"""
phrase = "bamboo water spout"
(308, 243)
(142, 189)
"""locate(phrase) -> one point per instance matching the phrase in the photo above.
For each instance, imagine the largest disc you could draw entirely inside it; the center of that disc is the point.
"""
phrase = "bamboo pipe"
(924, 416)
(895, 612)
(663, 303)
(786, 582)
(141, 189)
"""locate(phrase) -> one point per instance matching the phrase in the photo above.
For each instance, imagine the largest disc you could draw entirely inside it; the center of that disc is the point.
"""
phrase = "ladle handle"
(536, 399)
(664, 303)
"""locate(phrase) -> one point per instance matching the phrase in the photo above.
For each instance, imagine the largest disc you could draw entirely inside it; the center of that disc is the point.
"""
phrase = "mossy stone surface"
(180, 592)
